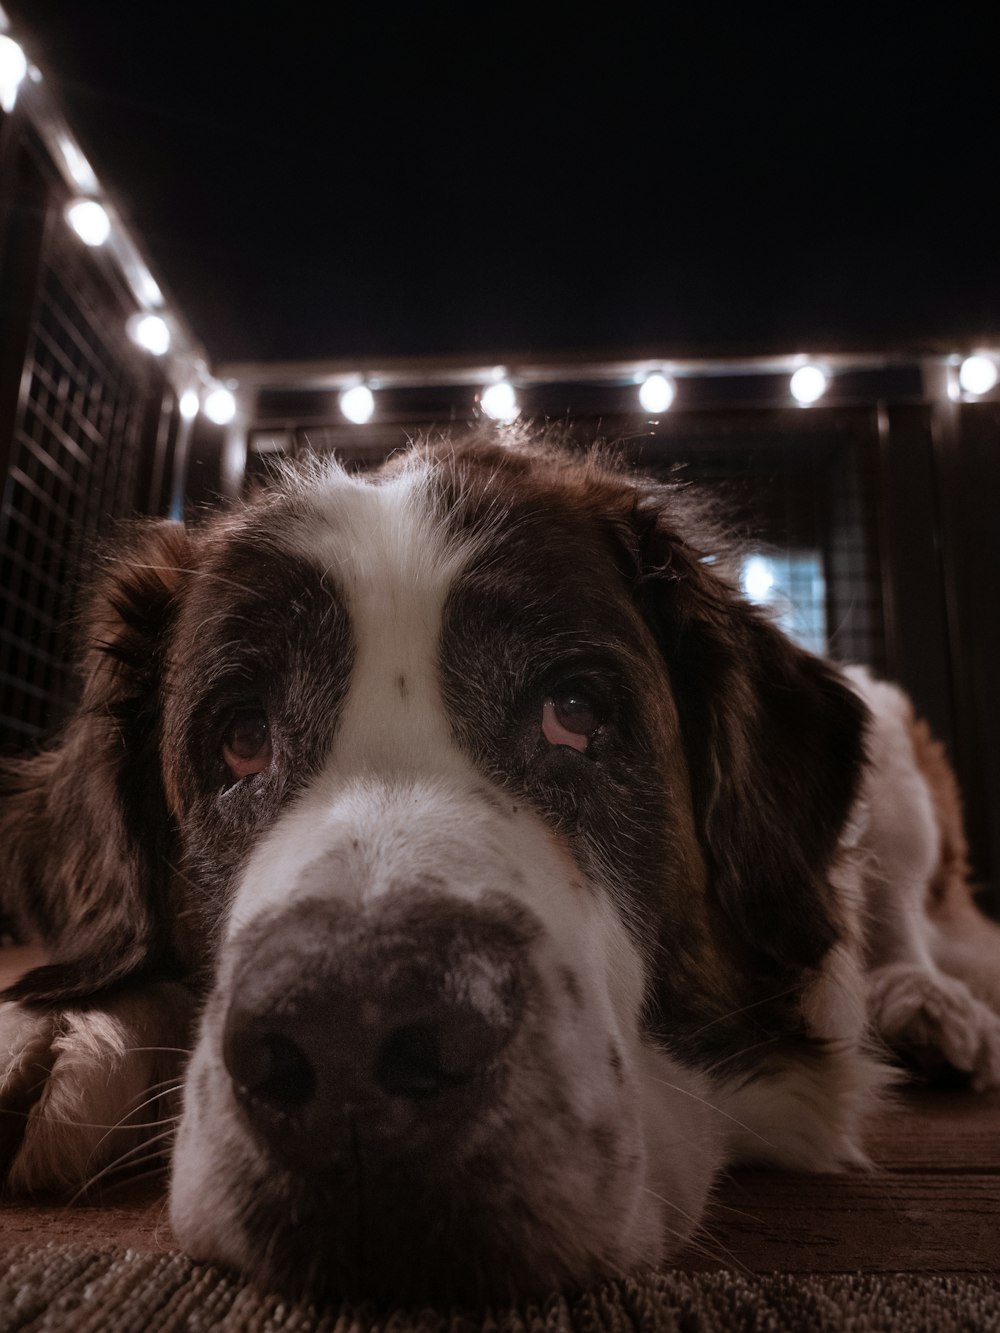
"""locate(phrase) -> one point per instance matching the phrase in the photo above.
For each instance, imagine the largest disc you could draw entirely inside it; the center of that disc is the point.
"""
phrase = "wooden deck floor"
(931, 1206)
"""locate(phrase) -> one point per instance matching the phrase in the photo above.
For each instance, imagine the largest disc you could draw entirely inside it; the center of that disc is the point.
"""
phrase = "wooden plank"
(133, 1216)
(937, 1130)
(915, 1223)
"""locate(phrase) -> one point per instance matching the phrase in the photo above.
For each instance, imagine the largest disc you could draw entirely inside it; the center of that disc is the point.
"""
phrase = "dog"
(489, 872)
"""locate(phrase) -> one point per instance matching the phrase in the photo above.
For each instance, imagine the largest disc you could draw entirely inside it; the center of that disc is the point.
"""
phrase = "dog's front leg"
(929, 1016)
(915, 1006)
(89, 1090)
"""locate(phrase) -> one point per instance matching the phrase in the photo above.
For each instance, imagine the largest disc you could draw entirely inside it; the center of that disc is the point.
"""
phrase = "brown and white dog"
(508, 871)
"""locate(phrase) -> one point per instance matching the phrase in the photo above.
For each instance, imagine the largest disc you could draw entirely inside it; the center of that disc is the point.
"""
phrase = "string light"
(358, 404)
(978, 374)
(220, 405)
(657, 392)
(499, 402)
(149, 288)
(189, 404)
(13, 67)
(808, 384)
(150, 332)
(89, 220)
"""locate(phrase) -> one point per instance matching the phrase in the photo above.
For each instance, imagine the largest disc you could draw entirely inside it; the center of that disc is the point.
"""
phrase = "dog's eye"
(570, 717)
(246, 743)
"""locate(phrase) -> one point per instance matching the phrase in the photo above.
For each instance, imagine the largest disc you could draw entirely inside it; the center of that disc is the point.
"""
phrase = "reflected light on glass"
(657, 392)
(89, 220)
(189, 404)
(757, 578)
(358, 404)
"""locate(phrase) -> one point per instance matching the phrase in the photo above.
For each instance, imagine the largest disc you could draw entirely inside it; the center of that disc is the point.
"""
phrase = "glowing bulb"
(149, 288)
(499, 401)
(978, 374)
(89, 220)
(758, 578)
(77, 165)
(150, 332)
(220, 406)
(189, 404)
(358, 404)
(13, 67)
(808, 384)
(657, 392)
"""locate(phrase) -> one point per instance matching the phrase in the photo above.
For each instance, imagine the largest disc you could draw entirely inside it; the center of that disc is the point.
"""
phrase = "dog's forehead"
(377, 537)
(410, 531)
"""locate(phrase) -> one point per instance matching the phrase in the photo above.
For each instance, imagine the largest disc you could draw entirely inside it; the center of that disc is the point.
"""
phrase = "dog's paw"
(926, 1014)
(86, 1090)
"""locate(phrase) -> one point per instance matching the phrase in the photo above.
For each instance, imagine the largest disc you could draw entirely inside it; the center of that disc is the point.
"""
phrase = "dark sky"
(348, 179)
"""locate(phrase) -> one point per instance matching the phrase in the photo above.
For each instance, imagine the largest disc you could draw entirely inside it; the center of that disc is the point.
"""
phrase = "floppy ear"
(774, 742)
(85, 828)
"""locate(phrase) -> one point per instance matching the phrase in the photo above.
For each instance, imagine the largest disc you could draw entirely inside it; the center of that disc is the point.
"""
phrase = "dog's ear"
(85, 827)
(774, 742)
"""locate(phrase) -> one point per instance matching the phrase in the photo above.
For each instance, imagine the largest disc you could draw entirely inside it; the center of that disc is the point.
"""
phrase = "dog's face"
(470, 778)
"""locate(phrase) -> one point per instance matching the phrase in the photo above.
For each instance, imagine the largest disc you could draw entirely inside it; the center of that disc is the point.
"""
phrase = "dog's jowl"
(505, 872)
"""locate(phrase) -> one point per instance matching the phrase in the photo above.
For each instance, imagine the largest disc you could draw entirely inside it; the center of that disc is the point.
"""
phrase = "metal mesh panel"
(854, 593)
(73, 467)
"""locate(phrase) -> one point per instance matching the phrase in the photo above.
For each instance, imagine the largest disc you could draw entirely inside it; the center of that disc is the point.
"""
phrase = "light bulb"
(657, 392)
(13, 67)
(978, 374)
(89, 220)
(499, 401)
(150, 332)
(220, 405)
(808, 384)
(358, 404)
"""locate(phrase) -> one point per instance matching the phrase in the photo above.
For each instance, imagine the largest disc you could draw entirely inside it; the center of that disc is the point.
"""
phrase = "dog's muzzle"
(375, 1031)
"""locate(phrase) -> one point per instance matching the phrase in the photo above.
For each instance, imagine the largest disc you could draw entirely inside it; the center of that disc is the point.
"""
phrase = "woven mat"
(73, 1289)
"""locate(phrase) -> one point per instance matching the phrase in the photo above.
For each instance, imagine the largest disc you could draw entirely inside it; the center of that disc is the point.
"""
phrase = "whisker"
(126, 1120)
(122, 1161)
(85, 1124)
(169, 1050)
(727, 1208)
(699, 1227)
(735, 1013)
(137, 1177)
(735, 1055)
(717, 1109)
(208, 574)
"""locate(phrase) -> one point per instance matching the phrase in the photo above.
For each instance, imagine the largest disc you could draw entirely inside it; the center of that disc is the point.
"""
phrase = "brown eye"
(570, 718)
(246, 743)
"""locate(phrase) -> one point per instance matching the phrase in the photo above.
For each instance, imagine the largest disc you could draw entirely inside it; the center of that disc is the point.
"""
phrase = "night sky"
(379, 180)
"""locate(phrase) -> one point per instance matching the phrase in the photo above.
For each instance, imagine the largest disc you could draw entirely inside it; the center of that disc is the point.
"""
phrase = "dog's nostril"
(450, 1046)
(271, 1068)
(410, 1063)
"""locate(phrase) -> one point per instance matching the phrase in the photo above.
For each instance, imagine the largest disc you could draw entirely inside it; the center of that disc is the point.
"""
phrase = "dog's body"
(529, 873)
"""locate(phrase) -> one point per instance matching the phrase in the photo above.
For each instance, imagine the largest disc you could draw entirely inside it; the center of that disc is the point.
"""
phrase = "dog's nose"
(385, 1029)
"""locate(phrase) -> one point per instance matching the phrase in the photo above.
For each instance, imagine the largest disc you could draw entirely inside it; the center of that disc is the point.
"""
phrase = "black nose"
(385, 1028)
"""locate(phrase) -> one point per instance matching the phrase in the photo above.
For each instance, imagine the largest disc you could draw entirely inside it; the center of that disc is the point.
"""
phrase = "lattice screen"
(73, 468)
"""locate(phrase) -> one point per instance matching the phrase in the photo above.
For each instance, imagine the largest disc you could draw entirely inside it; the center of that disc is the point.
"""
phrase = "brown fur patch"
(949, 888)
